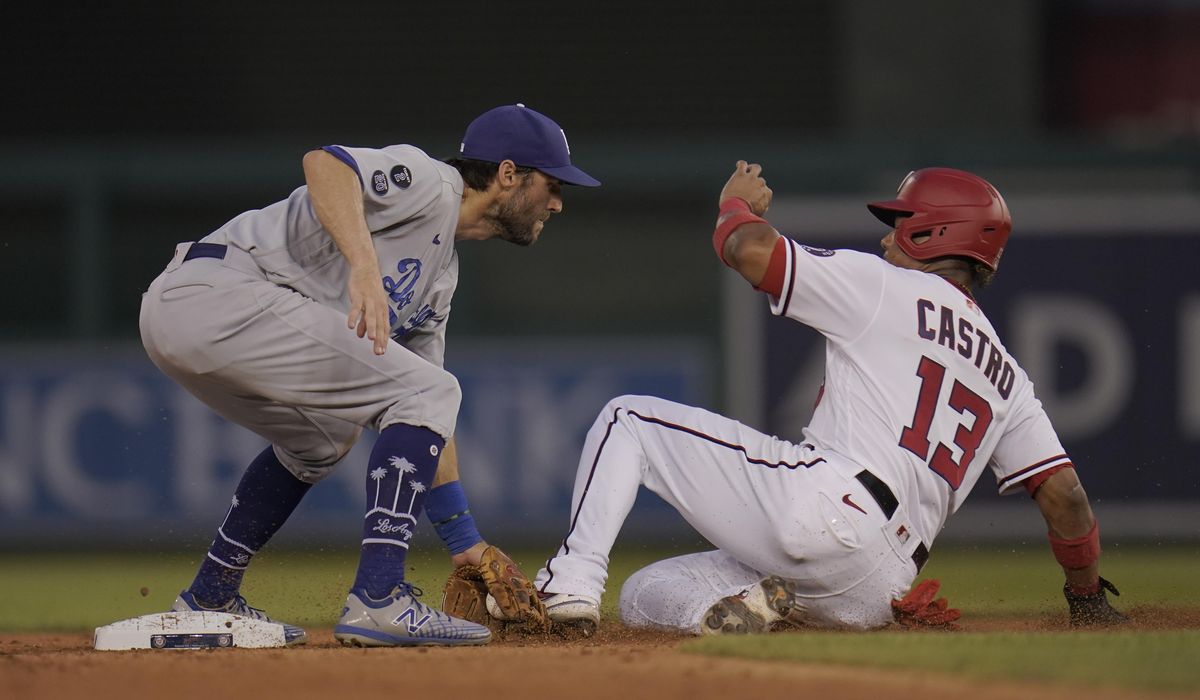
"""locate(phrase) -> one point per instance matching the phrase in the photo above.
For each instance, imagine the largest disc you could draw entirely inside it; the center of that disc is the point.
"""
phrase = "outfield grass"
(70, 591)
(1018, 581)
(76, 591)
(1151, 660)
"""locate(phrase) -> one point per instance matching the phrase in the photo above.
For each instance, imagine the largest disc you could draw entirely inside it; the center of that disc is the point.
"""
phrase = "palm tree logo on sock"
(385, 525)
(404, 467)
(417, 487)
(377, 475)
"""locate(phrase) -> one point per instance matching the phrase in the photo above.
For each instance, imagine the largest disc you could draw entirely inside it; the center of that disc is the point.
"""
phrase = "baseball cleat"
(574, 613)
(757, 609)
(570, 613)
(402, 620)
(780, 596)
(731, 615)
(186, 602)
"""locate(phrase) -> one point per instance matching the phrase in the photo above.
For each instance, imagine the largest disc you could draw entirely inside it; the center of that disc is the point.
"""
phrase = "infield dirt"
(616, 662)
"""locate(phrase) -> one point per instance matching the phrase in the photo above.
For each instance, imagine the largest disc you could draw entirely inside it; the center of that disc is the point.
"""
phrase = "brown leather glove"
(465, 593)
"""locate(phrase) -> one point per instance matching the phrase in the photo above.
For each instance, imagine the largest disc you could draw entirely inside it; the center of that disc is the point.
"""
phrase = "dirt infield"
(617, 662)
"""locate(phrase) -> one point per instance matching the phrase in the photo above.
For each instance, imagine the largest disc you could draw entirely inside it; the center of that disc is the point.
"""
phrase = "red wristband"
(735, 211)
(1077, 552)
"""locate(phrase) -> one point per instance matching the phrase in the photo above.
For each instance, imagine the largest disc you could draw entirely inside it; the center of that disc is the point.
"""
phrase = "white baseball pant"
(771, 507)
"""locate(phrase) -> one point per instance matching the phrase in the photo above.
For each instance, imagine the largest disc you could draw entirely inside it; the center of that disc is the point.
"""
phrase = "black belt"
(205, 250)
(887, 501)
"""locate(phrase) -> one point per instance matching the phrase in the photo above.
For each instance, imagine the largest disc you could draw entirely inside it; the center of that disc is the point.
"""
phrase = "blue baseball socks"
(265, 497)
(399, 473)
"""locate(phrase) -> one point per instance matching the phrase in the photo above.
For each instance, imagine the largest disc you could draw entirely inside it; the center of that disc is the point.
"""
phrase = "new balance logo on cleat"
(401, 619)
(410, 615)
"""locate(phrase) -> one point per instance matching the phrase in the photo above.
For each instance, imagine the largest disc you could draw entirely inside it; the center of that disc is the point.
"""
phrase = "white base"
(188, 630)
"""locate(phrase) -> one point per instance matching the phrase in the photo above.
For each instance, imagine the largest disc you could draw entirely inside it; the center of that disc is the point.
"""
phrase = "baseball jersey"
(919, 389)
(411, 204)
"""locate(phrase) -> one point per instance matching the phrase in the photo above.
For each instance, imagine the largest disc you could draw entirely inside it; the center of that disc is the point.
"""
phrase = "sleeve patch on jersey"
(342, 155)
(401, 176)
(379, 183)
(819, 252)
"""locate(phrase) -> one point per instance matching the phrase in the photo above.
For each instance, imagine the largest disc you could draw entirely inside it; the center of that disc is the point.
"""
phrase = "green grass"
(74, 591)
(68, 591)
(1151, 660)
(1017, 581)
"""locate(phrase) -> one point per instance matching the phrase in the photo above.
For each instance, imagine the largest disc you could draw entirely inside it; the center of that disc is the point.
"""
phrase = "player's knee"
(433, 402)
(313, 462)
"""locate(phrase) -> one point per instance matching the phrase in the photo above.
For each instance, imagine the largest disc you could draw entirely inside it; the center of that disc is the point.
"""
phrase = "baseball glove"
(918, 609)
(1093, 608)
(465, 594)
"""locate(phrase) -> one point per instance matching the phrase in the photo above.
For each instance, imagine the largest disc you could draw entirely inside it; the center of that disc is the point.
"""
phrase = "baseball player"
(920, 396)
(323, 314)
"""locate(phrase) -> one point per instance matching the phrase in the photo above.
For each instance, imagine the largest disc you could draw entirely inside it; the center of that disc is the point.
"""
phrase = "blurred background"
(129, 127)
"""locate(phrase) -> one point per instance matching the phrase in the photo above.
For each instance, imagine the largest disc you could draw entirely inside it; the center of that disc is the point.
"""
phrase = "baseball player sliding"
(264, 320)
(920, 395)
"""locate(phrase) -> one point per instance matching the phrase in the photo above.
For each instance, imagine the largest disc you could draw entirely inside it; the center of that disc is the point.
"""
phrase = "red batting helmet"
(961, 213)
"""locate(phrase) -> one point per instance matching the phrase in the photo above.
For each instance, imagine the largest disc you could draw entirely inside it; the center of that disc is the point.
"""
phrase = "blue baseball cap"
(528, 138)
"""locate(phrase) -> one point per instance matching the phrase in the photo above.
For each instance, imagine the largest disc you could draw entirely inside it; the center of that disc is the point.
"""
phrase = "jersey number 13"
(915, 437)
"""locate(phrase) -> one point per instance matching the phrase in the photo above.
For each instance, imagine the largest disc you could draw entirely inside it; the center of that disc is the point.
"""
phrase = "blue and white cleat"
(186, 602)
(402, 620)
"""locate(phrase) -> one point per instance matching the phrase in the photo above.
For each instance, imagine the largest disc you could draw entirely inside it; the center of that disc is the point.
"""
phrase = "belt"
(205, 250)
(887, 501)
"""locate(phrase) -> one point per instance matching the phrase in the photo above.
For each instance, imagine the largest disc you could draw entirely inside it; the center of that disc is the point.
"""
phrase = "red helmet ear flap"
(962, 213)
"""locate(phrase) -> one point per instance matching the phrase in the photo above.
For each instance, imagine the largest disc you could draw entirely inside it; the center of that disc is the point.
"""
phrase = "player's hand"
(1088, 609)
(919, 610)
(368, 307)
(748, 184)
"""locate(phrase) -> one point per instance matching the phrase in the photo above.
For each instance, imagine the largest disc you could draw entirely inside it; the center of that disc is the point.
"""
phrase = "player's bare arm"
(1075, 540)
(337, 201)
(748, 245)
(447, 472)
(1064, 505)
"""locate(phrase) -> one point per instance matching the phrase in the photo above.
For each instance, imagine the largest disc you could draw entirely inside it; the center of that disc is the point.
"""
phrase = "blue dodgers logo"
(400, 290)
(379, 182)
(402, 176)
(414, 322)
(819, 252)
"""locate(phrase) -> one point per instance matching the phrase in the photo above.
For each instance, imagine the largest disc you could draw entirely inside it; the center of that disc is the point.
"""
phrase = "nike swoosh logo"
(852, 504)
(437, 240)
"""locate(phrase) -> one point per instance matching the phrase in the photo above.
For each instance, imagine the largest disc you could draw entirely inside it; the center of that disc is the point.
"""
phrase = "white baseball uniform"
(256, 328)
(919, 396)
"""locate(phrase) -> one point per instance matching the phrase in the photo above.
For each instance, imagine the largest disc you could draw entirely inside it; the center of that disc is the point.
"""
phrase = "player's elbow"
(748, 249)
(314, 160)
(1064, 503)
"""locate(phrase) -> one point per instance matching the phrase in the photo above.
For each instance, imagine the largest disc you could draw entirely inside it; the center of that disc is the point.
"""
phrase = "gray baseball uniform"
(259, 334)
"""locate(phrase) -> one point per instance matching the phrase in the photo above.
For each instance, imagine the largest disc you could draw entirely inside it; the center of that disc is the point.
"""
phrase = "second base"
(195, 630)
